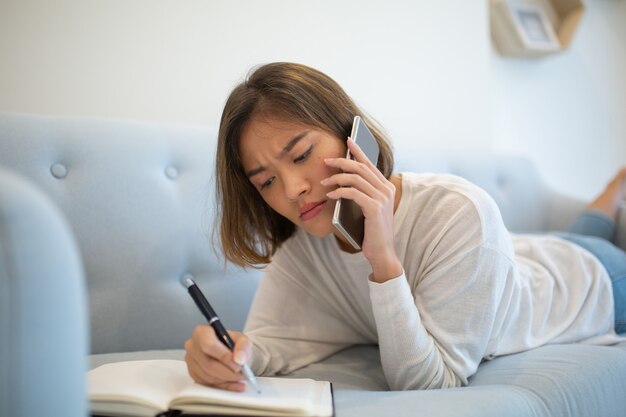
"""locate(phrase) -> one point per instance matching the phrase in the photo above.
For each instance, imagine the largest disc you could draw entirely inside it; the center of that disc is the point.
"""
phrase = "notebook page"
(321, 406)
(150, 382)
(286, 395)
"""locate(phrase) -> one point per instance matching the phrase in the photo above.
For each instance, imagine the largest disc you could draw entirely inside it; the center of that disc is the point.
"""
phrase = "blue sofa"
(138, 199)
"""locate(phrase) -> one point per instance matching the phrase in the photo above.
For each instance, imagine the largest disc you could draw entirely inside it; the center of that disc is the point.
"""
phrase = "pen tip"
(188, 282)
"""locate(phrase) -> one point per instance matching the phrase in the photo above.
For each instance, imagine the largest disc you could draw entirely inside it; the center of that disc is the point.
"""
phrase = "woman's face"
(285, 163)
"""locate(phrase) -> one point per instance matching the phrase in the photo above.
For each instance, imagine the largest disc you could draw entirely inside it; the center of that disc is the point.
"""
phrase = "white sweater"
(470, 291)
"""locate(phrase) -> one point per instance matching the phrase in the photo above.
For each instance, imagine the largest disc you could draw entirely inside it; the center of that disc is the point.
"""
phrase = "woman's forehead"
(269, 132)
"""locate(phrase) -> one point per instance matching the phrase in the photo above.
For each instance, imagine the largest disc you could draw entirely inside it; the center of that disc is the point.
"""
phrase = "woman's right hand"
(210, 362)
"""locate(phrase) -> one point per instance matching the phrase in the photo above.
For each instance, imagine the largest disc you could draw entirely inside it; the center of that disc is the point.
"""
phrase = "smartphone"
(348, 217)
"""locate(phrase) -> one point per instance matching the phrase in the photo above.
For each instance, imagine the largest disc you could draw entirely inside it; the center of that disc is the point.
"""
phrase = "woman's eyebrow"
(288, 147)
(292, 142)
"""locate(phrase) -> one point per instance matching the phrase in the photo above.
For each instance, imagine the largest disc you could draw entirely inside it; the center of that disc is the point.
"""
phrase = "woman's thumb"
(242, 351)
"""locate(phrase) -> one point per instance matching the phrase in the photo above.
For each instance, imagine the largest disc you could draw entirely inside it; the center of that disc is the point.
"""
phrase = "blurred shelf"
(534, 28)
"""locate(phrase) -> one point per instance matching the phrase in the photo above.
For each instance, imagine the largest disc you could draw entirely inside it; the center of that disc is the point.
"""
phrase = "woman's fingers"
(354, 181)
(209, 371)
(360, 156)
(353, 174)
(209, 362)
(364, 201)
(238, 386)
(206, 340)
(243, 348)
(359, 178)
(360, 181)
(360, 165)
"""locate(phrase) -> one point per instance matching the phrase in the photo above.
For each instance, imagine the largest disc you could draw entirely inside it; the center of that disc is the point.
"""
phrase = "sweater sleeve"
(435, 328)
(408, 353)
(435, 340)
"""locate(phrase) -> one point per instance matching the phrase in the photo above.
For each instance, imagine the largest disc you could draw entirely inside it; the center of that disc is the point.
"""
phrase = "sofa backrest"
(139, 199)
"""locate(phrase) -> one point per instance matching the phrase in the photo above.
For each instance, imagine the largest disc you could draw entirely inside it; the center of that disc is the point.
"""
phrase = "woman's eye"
(267, 183)
(304, 156)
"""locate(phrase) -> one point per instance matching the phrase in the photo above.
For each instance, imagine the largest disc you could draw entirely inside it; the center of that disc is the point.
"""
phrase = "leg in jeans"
(614, 260)
(594, 230)
(594, 223)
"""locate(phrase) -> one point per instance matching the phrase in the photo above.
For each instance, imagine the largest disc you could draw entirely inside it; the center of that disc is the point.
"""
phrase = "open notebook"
(150, 387)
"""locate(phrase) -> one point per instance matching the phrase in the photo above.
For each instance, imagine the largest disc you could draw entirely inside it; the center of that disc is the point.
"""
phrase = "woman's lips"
(311, 210)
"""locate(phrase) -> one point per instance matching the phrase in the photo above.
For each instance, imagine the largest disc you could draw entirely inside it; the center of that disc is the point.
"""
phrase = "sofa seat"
(554, 380)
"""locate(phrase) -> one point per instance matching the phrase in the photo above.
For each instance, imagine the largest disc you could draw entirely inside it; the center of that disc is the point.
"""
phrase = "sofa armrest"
(43, 314)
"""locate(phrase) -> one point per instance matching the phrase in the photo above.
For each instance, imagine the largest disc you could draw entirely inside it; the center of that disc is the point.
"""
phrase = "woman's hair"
(250, 231)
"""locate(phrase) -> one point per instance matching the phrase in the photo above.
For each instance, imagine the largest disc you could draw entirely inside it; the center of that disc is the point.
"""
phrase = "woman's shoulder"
(434, 201)
(433, 179)
(445, 188)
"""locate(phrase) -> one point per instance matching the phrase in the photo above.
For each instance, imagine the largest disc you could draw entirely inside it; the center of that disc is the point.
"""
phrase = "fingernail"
(324, 181)
(239, 358)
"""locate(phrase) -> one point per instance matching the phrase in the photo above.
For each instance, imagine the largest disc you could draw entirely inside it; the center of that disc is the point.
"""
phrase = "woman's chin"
(319, 232)
(320, 226)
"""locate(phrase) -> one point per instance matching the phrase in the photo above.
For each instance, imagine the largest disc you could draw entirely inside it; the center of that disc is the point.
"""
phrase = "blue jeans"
(594, 231)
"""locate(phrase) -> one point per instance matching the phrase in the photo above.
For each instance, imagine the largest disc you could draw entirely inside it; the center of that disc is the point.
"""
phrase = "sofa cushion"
(553, 380)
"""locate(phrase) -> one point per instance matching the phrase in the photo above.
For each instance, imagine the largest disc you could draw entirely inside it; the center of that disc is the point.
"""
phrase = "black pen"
(215, 322)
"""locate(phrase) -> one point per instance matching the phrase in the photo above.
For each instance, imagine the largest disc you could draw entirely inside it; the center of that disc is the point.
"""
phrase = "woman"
(439, 284)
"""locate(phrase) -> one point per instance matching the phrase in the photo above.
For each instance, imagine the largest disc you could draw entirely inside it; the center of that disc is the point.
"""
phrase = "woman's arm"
(436, 323)
(437, 335)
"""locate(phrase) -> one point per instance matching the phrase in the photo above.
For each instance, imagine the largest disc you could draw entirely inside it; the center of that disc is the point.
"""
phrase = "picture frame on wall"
(526, 28)
(534, 28)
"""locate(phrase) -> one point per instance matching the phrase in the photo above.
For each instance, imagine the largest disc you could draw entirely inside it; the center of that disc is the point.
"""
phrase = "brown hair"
(250, 231)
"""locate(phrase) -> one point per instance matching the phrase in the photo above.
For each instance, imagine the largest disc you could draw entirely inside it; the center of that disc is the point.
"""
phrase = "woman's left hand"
(363, 183)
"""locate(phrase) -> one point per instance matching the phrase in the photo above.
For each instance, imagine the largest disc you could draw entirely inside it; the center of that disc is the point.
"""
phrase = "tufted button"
(501, 181)
(185, 277)
(171, 172)
(58, 171)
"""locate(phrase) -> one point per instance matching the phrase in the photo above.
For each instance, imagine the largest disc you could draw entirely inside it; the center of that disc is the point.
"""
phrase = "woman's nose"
(296, 186)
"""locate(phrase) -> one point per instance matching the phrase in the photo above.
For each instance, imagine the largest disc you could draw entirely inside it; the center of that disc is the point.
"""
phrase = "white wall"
(177, 61)
(424, 68)
(568, 111)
